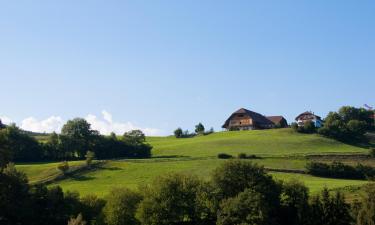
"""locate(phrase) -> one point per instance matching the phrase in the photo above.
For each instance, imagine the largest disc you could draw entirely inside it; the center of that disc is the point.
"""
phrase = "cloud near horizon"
(105, 124)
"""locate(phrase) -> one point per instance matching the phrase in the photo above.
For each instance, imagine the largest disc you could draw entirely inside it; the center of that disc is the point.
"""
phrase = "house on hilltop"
(244, 119)
(309, 116)
(279, 121)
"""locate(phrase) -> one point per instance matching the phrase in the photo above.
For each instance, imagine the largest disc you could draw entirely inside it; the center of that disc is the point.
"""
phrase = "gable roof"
(308, 113)
(256, 117)
(275, 119)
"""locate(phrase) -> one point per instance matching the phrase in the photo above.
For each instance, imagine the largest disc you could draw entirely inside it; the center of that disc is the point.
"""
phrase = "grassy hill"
(275, 142)
(279, 149)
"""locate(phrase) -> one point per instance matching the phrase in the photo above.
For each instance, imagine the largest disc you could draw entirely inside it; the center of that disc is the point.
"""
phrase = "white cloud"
(6, 120)
(53, 123)
(106, 125)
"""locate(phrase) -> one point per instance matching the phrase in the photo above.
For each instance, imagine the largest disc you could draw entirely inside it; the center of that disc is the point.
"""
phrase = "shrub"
(340, 170)
(63, 167)
(294, 126)
(242, 156)
(224, 156)
(121, 207)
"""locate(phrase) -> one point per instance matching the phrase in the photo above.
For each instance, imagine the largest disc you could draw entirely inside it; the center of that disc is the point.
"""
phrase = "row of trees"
(349, 124)
(75, 140)
(238, 193)
(199, 130)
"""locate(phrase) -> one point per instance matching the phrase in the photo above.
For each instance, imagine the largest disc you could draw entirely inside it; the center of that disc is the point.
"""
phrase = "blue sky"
(158, 65)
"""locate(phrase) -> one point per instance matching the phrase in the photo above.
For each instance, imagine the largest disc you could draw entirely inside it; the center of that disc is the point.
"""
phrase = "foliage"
(121, 207)
(172, 199)
(348, 124)
(91, 208)
(294, 203)
(63, 167)
(340, 170)
(77, 134)
(224, 156)
(134, 137)
(307, 128)
(249, 207)
(329, 210)
(366, 214)
(178, 133)
(199, 128)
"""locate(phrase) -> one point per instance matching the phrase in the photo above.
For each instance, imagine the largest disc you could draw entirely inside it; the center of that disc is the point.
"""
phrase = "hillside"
(274, 142)
(279, 149)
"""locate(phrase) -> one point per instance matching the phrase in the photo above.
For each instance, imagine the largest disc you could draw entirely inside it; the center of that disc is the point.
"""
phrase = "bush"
(224, 156)
(121, 207)
(340, 170)
(244, 156)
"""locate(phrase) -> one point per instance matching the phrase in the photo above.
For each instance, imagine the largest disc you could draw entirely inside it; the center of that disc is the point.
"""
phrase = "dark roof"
(256, 117)
(275, 119)
(308, 113)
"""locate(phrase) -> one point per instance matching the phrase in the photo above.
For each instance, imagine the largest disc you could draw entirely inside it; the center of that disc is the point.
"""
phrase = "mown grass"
(275, 142)
(133, 173)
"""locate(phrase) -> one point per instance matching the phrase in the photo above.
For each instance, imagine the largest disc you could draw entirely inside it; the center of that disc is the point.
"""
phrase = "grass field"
(275, 142)
(279, 149)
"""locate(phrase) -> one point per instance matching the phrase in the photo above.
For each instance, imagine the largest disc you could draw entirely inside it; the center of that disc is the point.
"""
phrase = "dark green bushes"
(224, 156)
(340, 170)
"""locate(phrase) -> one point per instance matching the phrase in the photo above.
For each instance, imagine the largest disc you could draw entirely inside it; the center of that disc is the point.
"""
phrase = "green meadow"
(278, 149)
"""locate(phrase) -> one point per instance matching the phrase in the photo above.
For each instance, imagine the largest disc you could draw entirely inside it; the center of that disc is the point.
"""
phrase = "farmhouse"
(279, 121)
(244, 119)
(309, 116)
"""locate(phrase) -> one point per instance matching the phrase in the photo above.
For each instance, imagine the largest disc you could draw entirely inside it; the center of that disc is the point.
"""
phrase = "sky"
(157, 65)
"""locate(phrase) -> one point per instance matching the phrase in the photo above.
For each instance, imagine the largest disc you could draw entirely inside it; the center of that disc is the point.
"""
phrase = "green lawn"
(279, 148)
(274, 142)
(133, 173)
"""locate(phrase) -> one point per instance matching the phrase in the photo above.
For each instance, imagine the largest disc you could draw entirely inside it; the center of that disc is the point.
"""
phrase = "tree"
(348, 124)
(121, 207)
(199, 128)
(330, 210)
(294, 203)
(234, 176)
(5, 152)
(89, 157)
(63, 167)
(134, 137)
(366, 214)
(77, 136)
(92, 208)
(77, 221)
(178, 133)
(171, 199)
(14, 197)
(248, 207)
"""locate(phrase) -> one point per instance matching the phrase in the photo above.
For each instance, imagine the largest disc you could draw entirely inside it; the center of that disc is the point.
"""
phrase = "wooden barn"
(244, 119)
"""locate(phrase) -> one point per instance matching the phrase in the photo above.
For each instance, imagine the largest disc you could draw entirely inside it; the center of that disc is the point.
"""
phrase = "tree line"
(238, 192)
(75, 140)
